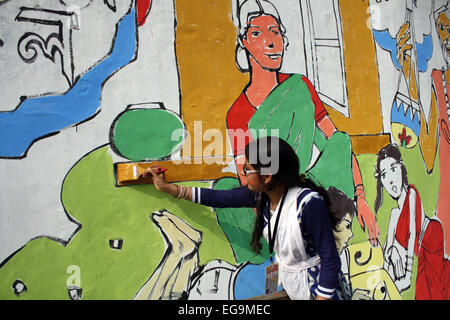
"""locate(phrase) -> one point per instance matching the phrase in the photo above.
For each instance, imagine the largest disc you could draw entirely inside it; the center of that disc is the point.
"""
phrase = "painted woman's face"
(391, 176)
(264, 42)
(343, 232)
(443, 26)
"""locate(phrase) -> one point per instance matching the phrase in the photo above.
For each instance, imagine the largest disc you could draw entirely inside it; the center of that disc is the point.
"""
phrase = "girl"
(292, 215)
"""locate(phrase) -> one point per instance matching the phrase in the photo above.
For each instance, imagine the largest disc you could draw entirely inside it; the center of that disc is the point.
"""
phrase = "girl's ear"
(267, 179)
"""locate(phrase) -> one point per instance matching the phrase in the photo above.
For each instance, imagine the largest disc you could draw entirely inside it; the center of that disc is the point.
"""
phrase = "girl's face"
(255, 181)
(264, 42)
(391, 176)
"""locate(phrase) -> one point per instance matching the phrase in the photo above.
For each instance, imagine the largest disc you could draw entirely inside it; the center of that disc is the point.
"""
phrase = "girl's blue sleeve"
(316, 223)
(233, 198)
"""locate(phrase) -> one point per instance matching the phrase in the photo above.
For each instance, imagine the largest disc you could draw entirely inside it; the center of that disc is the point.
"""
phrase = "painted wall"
(88, 85)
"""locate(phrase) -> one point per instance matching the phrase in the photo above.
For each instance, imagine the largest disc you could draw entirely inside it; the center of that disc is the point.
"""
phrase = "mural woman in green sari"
(290, 104)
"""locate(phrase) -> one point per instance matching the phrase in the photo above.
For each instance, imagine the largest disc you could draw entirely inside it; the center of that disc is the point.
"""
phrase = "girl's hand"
(159, 179)
(161, 184)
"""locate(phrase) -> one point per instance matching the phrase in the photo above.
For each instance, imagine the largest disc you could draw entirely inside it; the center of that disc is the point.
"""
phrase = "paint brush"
(135, 172)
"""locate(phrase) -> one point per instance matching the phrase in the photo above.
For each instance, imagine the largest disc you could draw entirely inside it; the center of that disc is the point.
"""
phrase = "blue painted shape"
(398, 115)
(388, 43)
(251, 281)
(424, 52)
(39, 117)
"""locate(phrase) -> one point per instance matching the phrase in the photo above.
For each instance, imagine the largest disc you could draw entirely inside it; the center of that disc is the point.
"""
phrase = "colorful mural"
(359, 89)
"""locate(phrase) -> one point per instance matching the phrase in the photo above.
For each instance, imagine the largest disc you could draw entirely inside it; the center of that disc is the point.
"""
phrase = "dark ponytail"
(286, 164)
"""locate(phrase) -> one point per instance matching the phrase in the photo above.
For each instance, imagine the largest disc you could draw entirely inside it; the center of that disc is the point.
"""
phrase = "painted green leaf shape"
(237, 223)
(140, 134)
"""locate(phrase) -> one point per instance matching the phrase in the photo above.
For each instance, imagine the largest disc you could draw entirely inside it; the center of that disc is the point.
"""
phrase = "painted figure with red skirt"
(410, 232)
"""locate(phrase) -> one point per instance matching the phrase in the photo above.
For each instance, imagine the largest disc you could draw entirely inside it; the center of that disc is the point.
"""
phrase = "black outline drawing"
(112, 6)
(66, 4)
(311, 54)
(52, 45)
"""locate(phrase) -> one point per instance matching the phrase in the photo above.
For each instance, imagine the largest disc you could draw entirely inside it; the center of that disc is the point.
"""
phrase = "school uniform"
(304, 245)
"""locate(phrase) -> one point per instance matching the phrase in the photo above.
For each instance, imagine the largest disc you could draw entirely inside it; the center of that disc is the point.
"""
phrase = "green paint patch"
(106, 212)
(140, 134)
(237, 223)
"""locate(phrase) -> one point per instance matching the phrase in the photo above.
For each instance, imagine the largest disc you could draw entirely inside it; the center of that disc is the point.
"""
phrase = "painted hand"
(397, 263)
(403, 48)
(367, 219)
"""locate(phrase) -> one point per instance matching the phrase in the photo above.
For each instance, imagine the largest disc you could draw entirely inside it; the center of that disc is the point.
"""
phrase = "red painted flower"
(404, 139)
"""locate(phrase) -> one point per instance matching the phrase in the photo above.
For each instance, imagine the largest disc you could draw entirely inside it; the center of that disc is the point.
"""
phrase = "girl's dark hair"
(341, 204)
(276, 155)
(389, 151)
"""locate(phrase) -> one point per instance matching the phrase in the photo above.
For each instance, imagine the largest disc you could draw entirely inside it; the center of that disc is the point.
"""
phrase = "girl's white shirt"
(290, 253)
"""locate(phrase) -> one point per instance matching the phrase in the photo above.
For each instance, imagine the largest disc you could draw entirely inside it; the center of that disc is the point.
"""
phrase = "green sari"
(290, 109)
